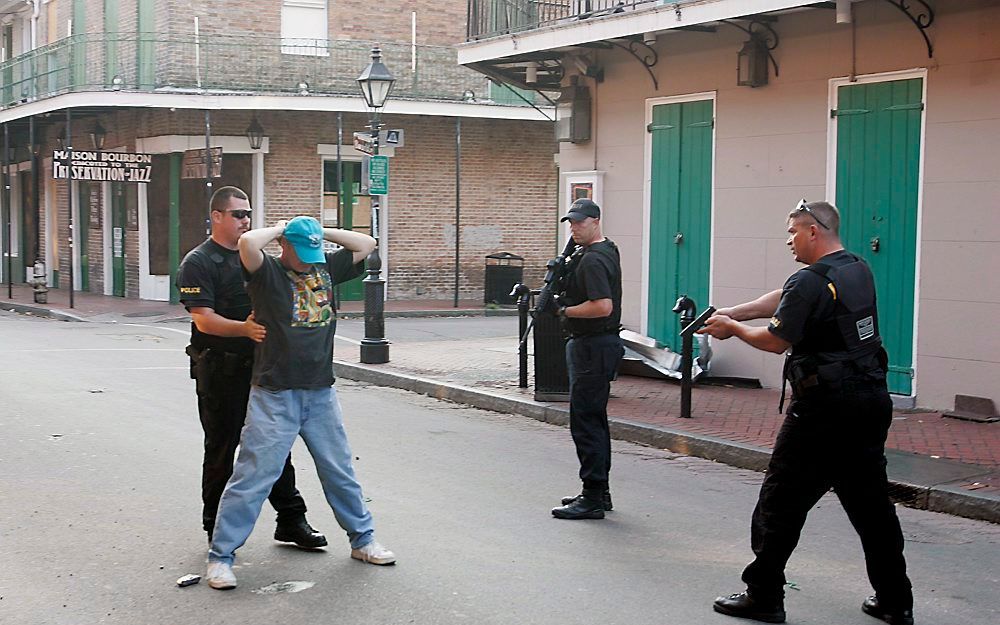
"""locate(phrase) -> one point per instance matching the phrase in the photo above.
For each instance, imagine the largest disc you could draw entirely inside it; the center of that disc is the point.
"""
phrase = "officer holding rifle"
(590, 308)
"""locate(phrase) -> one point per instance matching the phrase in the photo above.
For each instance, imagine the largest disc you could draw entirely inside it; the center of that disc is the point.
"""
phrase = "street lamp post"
(375, 82)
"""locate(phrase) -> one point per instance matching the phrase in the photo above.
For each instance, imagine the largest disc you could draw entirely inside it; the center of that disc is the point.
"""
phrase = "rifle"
(554, 283)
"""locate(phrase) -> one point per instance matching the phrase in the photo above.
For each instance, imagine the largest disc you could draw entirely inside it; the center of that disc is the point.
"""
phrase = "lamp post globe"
(375, 81)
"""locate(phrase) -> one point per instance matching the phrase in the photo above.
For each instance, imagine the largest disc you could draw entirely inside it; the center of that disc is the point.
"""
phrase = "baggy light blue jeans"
(274, 419)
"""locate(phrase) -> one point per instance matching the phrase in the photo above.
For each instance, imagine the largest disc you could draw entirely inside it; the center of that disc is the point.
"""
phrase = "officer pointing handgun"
(834, 431)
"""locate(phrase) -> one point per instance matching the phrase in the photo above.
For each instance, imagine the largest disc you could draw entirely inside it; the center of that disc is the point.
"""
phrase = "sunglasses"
(804, 206)
(241, 213)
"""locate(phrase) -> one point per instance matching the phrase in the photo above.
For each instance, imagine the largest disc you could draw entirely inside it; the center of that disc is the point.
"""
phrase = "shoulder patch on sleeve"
(775, 322)
(191, 290)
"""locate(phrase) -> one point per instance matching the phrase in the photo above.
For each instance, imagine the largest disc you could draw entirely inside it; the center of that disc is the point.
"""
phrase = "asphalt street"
(100, 512)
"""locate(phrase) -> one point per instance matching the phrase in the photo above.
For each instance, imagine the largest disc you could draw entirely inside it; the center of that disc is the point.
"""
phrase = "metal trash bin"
(503, 271)
(551, 377)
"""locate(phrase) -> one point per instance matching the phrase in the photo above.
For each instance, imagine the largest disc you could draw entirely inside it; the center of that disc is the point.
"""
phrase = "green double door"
(680, 216)
(878, 170)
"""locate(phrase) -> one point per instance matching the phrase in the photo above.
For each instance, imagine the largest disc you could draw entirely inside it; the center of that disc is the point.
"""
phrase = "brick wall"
(508, 190)
(439, 22)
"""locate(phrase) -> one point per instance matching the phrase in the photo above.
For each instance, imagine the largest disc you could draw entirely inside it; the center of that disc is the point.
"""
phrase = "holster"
(202, 366)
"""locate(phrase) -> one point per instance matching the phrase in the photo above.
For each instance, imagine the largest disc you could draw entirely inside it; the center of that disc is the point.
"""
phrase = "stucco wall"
(771, 147)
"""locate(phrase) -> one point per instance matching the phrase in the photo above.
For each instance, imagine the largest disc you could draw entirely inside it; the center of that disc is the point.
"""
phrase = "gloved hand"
(545, 303)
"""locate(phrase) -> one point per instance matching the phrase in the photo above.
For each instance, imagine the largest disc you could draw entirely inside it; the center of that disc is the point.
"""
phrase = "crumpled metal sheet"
(645, 356)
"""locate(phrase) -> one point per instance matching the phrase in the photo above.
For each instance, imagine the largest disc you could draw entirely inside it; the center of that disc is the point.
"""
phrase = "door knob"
(875, 244)
(678, 238)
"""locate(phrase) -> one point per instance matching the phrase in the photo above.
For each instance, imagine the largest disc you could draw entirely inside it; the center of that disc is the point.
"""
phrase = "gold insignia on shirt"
(775, 322)
(191, 290)
(833, 289)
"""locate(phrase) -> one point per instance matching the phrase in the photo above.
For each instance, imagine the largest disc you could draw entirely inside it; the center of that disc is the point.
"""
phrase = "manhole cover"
(145, 313)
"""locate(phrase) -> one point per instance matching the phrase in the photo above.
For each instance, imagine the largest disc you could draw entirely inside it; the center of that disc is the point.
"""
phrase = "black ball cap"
(581, 209)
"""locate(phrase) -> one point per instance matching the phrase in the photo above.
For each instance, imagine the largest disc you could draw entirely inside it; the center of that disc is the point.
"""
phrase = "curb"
(40, 311)
(946, 498)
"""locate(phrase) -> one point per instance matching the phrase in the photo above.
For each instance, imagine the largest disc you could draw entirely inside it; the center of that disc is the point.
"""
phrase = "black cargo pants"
(592, 362)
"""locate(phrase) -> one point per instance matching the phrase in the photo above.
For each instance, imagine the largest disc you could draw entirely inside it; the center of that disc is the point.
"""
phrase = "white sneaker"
(220, 576)
(372, 553)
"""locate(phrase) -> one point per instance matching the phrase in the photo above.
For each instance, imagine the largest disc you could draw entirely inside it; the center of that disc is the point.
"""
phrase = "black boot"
(744, 605)
(300, 533)
(872, 607)
(605, 500)
(586, 506)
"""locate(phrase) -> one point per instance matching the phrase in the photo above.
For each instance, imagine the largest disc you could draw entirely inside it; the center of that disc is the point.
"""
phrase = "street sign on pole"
(378, 175)
(363, 142)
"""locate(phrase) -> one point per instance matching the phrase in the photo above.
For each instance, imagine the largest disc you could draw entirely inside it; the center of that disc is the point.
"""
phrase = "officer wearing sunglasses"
(835, 428)
(223, 335)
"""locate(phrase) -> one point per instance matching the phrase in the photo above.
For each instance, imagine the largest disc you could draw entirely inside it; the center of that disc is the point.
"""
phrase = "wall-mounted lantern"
(573, 114)
(98, 136)
(255, 133)
(751, 63)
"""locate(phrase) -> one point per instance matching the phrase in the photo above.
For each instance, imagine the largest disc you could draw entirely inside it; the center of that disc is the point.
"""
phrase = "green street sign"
(378, 175)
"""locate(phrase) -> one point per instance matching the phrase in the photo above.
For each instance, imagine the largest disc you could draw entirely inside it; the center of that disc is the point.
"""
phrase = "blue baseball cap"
(306, 236)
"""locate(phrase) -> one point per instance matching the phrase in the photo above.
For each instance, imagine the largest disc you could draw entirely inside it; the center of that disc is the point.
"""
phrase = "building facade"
(157, 77)
(699, 125)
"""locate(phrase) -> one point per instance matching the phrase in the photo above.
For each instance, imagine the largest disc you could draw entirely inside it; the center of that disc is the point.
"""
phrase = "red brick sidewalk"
(751, 416)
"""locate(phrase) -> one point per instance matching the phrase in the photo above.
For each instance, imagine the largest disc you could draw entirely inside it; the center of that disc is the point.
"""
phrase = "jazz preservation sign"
(102, 166)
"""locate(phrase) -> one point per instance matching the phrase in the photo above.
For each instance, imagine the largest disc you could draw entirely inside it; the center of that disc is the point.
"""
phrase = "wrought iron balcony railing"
(493, 18)
(232, 64)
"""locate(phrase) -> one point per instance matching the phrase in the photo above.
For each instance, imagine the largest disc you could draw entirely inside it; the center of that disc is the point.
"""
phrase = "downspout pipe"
(36, 10)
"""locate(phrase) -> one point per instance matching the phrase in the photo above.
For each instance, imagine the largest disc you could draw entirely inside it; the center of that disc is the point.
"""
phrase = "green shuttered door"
(680, 213)
(878, 166)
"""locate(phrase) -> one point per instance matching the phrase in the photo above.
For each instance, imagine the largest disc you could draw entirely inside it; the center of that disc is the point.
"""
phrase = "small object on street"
(188, 580)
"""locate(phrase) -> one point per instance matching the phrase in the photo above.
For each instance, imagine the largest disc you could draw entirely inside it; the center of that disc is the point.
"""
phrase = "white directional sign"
(363, 142)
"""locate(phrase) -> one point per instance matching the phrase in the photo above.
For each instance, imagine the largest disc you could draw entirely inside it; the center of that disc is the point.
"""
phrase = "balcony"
(494, 18)
(234, 65)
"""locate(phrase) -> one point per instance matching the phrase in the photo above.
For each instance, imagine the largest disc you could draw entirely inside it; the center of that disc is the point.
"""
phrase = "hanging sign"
(102, 166)
(193, 165)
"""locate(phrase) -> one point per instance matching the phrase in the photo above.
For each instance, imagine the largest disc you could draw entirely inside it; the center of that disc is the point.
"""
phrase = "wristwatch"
(561, 312)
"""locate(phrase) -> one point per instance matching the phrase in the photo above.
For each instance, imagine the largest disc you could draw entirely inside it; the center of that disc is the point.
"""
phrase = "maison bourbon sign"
(102, 166)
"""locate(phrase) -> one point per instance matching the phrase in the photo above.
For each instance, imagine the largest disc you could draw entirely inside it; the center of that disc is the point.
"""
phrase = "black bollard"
(523, 293)
(686, 307)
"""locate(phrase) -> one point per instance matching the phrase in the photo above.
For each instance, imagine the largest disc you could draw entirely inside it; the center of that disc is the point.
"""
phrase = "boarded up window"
(304, 28)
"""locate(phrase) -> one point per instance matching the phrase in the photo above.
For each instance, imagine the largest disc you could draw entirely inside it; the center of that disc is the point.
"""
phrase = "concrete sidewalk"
(935, 463)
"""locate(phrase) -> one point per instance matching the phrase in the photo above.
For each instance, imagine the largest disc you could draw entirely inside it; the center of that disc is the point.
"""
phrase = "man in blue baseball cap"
(292, 390)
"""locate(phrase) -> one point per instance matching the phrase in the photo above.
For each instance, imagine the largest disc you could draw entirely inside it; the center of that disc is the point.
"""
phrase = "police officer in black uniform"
(834, 431)
(223, 333)
(591, 312)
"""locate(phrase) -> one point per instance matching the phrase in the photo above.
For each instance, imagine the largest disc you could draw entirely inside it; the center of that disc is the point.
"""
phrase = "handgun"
(698, 322)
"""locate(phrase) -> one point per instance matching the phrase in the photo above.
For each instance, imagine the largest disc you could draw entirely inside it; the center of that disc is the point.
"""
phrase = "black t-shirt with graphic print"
(210, 276)
(298, 311)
